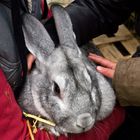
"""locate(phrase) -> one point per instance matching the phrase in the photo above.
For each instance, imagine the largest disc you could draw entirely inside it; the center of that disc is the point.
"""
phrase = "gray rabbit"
(64, 86)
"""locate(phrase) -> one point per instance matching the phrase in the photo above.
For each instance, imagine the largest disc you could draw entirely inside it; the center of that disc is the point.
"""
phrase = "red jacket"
(14, 127)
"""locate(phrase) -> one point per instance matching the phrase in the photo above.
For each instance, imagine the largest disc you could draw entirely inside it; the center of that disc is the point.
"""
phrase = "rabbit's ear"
(37, 39)
(64, 27)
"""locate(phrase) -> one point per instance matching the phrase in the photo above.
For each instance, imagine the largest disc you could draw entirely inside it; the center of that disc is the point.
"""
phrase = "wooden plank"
(110, 52)
(109, 49)
(130, 45)
(99, 41)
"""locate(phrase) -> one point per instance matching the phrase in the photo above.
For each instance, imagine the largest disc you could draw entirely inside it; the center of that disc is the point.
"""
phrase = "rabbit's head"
(64, 86)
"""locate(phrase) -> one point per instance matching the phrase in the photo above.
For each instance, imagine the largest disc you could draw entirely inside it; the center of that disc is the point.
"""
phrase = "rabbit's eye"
(56, 89)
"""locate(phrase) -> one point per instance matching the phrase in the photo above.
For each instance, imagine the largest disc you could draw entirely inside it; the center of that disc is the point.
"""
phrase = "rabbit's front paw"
(57, 131)
(42, 126)
(54, 130)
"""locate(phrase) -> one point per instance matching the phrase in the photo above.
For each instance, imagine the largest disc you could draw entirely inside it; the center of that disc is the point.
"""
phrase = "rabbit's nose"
(84, 120)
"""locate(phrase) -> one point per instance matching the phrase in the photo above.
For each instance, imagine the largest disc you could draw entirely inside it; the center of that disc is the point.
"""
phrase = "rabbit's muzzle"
(78, 124)
(85, 121)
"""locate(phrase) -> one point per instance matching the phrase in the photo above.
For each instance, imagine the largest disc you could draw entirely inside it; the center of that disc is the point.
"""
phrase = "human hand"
(30, 60)
(107, 67)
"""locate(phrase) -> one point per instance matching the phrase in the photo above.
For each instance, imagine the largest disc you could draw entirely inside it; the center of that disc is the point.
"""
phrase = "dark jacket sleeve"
(91, 18)
(9, 57)
(126, 82)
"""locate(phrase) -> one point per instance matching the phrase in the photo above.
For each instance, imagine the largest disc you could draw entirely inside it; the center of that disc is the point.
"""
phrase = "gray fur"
(64, 86)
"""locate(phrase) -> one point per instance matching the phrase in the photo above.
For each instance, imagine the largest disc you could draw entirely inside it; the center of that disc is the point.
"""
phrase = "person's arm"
(12, 124)
(126, 78)
(91, 18)
(126, 82)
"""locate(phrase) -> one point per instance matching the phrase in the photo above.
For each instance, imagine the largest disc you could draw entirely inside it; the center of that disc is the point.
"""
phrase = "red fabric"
(14, 127)
(49, 13)
(43, 10)
(42, 6)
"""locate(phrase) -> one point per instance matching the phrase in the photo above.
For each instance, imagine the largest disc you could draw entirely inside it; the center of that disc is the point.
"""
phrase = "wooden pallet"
(121, 45)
